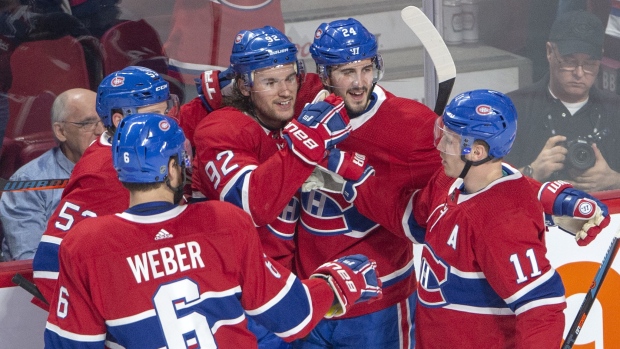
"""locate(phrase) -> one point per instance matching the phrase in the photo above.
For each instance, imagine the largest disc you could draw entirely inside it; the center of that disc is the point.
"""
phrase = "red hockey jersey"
(396, 135)
(93, 190)
(484, 264)
(241, 162)
(185, 277)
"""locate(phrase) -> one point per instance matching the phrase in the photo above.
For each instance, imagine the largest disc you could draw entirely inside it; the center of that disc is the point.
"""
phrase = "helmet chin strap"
(469, 164)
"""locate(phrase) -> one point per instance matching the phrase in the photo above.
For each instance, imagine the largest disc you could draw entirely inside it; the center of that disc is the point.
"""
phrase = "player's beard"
(355, 109)
(178, 195)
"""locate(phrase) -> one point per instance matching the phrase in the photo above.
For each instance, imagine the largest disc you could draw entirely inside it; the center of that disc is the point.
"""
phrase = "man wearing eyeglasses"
(24, 215)
(93, 188)
(569, 128)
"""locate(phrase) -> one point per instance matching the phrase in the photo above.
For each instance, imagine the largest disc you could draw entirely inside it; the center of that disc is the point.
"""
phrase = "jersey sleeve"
(234, 165)
(275, 297)
(190, 116)
(401, 210)
(512, 256)
(96, 194)
(73, 321)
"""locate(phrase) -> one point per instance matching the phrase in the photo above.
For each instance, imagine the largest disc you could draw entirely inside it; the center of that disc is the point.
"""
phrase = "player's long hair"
(237, 99)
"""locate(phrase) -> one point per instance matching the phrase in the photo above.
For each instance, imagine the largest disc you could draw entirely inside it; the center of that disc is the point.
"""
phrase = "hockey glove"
(353, 280)
(349, 165)
(320, 127)
(349, 191)
(574, 211)
(212, 85)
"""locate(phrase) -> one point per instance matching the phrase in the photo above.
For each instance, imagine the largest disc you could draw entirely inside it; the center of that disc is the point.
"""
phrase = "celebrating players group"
(296, 230)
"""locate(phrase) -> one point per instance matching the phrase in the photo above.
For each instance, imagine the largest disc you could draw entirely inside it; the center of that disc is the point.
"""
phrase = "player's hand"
(349, 190)
(550, 159)
(319, 127)
(212, 85)
(589, 215)
(348, 164)
(353, 280)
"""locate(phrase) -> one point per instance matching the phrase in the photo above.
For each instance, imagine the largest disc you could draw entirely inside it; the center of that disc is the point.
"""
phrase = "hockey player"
(250, 152)
(184, 276)
(395, 135)
(483, 261)
(93, 188)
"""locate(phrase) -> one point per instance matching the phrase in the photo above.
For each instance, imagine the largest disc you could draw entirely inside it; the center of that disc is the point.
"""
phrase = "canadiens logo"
(483, 109)
(318, 33)
(246, 4)
(118, 81)
(585, 208)
(164, 125)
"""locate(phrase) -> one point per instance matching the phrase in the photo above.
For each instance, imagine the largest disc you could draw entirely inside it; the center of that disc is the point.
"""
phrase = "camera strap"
(554, 132)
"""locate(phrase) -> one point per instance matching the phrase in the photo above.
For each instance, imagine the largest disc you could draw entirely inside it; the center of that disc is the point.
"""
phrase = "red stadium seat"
(44, 69)
(9, 157)
(33, 145)
(21, 150)
(136, 43)
(132, 43)
(30, 114)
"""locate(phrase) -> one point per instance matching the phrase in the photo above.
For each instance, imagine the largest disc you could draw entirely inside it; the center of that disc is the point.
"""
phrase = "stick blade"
(433, 43)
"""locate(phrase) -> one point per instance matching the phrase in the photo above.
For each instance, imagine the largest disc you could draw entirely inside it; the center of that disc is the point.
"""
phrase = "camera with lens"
(580, 154)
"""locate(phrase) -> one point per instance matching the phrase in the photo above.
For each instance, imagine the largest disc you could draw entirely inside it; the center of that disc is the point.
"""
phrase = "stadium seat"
(29, 114)
(44, 69)
(21, 150)
(136, 43)
(33, 145)
(9, 158)
(132, 43)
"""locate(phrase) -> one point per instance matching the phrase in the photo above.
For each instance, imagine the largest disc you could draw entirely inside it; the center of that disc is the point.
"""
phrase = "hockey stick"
(588, 301)
(24, 283)
(40, 184)
(436, 48)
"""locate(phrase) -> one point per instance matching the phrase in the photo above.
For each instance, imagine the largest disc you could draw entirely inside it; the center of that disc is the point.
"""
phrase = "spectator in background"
(97, 15)
(93, 187)
(24, 215)
(569, 128)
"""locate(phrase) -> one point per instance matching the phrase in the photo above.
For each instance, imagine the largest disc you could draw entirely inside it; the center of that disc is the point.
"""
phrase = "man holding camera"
(570, 129)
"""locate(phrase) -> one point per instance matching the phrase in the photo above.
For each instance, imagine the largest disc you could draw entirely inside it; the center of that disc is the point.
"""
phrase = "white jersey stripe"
(539, 281)
(539, 303)
(75, 336)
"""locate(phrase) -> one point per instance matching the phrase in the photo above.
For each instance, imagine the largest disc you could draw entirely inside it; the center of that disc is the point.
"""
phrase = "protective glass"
(446, 141)
(169, 107)
(89, 125)
(276, 78)
(589, 67)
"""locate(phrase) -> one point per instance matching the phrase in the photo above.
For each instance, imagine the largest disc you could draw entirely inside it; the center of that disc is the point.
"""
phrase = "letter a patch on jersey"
(453, 236)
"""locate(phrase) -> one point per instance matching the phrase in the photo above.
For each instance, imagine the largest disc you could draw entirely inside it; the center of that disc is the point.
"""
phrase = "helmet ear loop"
(323, 73)
(179, 188)
(378, 61)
